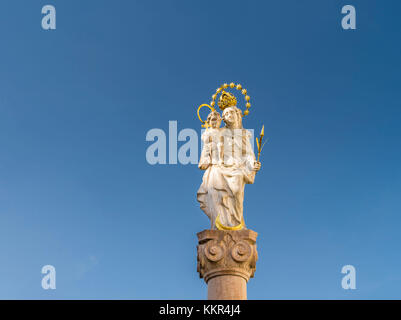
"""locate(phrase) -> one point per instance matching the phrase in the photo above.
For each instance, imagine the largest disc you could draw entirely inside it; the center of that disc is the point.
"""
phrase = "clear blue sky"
(76, 103)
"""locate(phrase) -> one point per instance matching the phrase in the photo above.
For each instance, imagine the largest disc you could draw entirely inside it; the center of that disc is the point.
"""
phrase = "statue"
(228, 160)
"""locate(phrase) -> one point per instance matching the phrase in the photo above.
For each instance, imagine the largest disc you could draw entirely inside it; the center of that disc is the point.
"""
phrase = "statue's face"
(230, 116)
(214, 119)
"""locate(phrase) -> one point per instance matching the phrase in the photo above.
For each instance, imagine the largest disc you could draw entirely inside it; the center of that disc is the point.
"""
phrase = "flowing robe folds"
(230, 159)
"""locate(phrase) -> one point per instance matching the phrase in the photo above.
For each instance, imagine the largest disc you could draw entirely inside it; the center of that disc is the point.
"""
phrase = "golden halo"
(205, 124)
(236, 86)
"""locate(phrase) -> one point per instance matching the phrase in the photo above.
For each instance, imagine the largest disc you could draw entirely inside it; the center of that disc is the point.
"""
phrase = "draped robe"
(230, 157)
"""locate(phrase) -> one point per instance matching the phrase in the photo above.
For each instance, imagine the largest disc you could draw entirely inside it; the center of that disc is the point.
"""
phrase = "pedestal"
(226, 261)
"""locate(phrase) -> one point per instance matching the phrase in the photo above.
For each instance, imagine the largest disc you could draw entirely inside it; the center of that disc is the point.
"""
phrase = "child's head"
(214, 119)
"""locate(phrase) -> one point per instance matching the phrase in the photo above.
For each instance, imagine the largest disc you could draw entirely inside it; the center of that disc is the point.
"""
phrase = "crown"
(226, 100)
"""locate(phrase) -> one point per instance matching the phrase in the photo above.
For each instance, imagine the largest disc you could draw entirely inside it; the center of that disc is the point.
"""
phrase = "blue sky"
(76, 103)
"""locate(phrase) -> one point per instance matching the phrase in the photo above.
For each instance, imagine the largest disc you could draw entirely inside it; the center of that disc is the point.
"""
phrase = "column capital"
(227, 253)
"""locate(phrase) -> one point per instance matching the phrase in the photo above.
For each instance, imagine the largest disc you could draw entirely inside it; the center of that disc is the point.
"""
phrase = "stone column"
(226, 261)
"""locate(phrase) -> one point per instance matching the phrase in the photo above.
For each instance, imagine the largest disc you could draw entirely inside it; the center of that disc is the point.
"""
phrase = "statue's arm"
(205, 158)
(252, 165)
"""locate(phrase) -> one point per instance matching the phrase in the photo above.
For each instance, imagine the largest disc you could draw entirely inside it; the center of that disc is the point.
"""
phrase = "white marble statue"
(230, 163)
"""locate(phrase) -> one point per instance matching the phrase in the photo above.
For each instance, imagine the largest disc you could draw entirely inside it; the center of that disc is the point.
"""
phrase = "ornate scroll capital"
(227, 253)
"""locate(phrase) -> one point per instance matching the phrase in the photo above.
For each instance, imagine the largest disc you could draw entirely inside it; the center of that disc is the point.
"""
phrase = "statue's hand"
(203, 166)
(256, 166)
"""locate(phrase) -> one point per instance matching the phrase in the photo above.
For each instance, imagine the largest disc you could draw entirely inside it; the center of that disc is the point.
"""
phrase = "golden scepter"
(259, 141)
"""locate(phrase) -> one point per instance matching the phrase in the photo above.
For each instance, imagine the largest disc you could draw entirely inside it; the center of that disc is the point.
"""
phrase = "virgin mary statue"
(229, 161)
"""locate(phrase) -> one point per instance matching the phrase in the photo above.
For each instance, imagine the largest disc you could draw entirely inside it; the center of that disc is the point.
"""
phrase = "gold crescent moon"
(220, 226)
